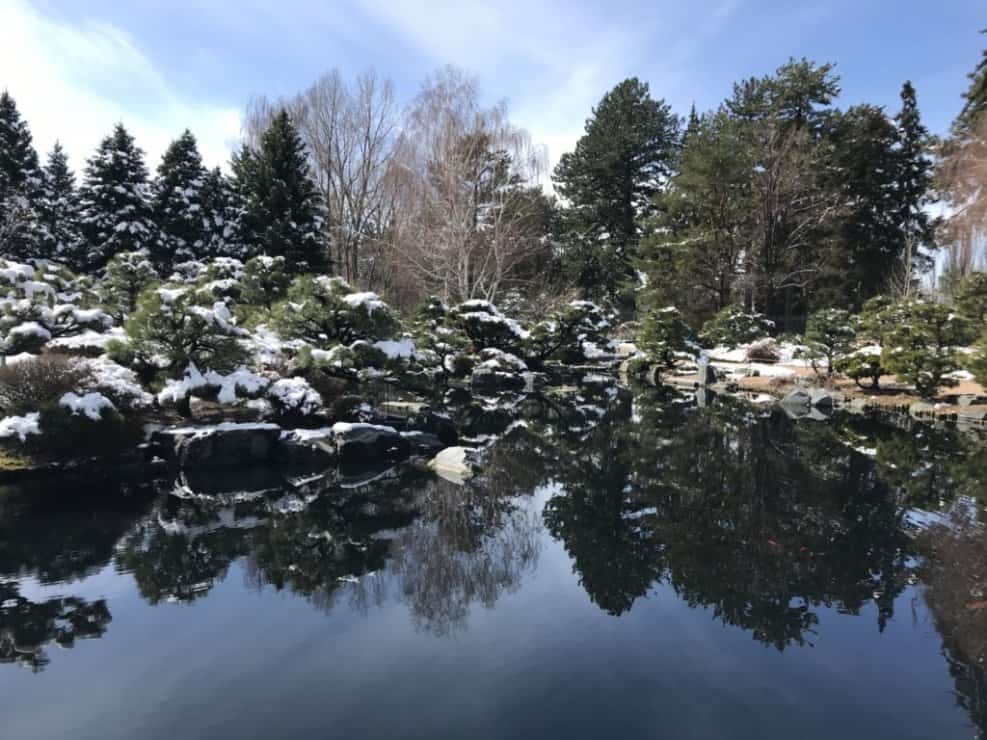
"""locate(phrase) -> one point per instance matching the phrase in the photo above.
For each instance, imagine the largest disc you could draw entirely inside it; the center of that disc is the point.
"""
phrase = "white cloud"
(73, 83)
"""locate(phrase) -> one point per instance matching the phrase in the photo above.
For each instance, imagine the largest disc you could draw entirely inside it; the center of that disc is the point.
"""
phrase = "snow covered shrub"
(265, 281)
(170, 326)
(664, 335)
(294, 397)
(830, 334)
(31, 384)
(574, 333)
(118, 383)
(189, 272)
(127, 275)
(486, 326)
(324, 311)
(82, 426)
(921, 348)
(221, 281)
(863, 364)
(763, 350)
(733, 326)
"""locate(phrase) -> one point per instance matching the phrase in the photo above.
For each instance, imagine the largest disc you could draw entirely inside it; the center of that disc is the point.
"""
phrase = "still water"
(621, 568)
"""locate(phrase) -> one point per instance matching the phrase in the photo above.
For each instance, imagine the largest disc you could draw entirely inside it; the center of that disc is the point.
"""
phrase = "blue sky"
(77, 66)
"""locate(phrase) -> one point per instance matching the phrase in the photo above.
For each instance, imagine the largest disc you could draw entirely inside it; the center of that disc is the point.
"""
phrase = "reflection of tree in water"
(26, 627)
(753, 517)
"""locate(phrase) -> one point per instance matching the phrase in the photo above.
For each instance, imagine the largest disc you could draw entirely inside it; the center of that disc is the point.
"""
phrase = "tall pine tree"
(115, 210)
(915, 176)
(57, 211)
(974, 100)
(19, 180)
(281, 205)
(610, 181)
(222, 210)
(177, 204)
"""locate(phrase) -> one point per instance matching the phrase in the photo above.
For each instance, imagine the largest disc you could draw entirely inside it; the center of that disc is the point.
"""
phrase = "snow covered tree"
(610, 181)
(19, 180)
(177, 205)
(281, 205)
(115, 213)
(57, 212)
(265, 281)
(324, 311)
(734, 326)
(221, 212)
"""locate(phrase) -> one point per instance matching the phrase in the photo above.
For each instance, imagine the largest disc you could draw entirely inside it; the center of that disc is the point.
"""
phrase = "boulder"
(221, 445)
(423, 443)
(368, 444)
(798, 397)
(455, 464)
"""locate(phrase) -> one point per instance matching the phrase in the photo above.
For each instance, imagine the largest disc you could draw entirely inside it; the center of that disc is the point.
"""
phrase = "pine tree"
(974, 100)
(19, 180)
(915, 177)
(222, 210)
(610, 181)
(281, 205)
(115, 212)
(57, 212)
(184, 226)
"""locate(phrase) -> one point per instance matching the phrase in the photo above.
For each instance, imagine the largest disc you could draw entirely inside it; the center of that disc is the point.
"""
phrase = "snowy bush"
(733, 326)
(20, 426)
(91, 405)
(32, 384)
(830, 334)
(763, 350)
(116, 382)
(575, 333)
(921, 348)
(863, 364)
(169, 324)
(664, 335)
(127, 275)
(265, 281)
(222, 281)
(486, 326)
(324, 311)
(294, 397)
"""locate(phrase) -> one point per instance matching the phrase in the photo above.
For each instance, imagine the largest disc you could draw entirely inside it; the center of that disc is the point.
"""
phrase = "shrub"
(568, 333)
(862, 365)
(664, 334)
(829, 334)
(971, 297)
(127, 275)
(265, 281)
(978, 360)
(733, 326)
(167, 323)
(31, 384)
(485, 326)
(920, 349)
(324, 311)
(68, 434)
(221, 281)
(764, 350)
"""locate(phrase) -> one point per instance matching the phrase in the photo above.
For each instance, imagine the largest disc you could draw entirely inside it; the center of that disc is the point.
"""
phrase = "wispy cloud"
(73, 82)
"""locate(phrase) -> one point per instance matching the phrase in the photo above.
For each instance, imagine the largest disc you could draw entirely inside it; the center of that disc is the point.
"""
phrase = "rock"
(455, 464)
(367, 444)
(423, 443)
(308, 448)
(858, 405)
(437, 424)
(821, 399)
(796, 398)
(492, 381)
(220, 445)
(627, 349)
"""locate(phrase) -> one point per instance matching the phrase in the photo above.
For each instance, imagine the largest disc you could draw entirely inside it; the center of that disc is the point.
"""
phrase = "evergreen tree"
(57, 212)
(222, 210)
(281, 205)
(19, 180)
(177, 205)
(974, 100)
(915, 174)
(610, 181)
(115, 212)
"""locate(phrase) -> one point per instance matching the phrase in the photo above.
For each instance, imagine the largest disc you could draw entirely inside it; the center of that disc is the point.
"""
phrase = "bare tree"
(350, 131)
(468, 211)
(962, 176)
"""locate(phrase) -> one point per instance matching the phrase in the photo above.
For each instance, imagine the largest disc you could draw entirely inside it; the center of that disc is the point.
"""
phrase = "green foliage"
(565, 334)
(221, 281)
(177, 203)
(977, 362)
(664, 335)
(324, 311)
(971, 297)
(127, 275)
(733, 326)
(610, 180)
(68, 435)
(921, 348)
(860, 366)
(168, 324)
(265, 281)
(830, 335)
(486, 327)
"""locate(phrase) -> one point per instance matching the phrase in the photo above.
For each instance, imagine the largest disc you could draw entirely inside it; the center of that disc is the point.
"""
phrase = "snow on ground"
(90, 404)
(21, 426)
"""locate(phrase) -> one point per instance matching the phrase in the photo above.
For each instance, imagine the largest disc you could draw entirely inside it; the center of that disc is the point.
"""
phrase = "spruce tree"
(915, 177)
(221, 212)
(183, 225)
(610, 181)
(19, 180)
(57, 211)
(115, 211)
(281, 205)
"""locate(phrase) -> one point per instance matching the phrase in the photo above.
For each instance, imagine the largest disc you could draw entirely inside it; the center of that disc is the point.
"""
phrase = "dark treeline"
(778, 201)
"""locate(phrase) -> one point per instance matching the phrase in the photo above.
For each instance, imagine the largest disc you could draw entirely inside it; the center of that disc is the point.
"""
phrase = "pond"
(634, 567)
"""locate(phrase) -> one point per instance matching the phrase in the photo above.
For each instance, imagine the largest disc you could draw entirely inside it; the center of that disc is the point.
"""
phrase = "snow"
(344, 427)
(241, 378)
(20, 426)
(89, 339)
(295, 394)
(370, 301)
(120, 381)
(396, 348)
(30, 328)
(91, 404)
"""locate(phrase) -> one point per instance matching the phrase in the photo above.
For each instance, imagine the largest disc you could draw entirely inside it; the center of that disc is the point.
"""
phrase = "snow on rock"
(396, 348)
(30, 329)
(345, 427)
(90, 405)
(21, 426)
(295, 395)
(117, 380)
(240, 379)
